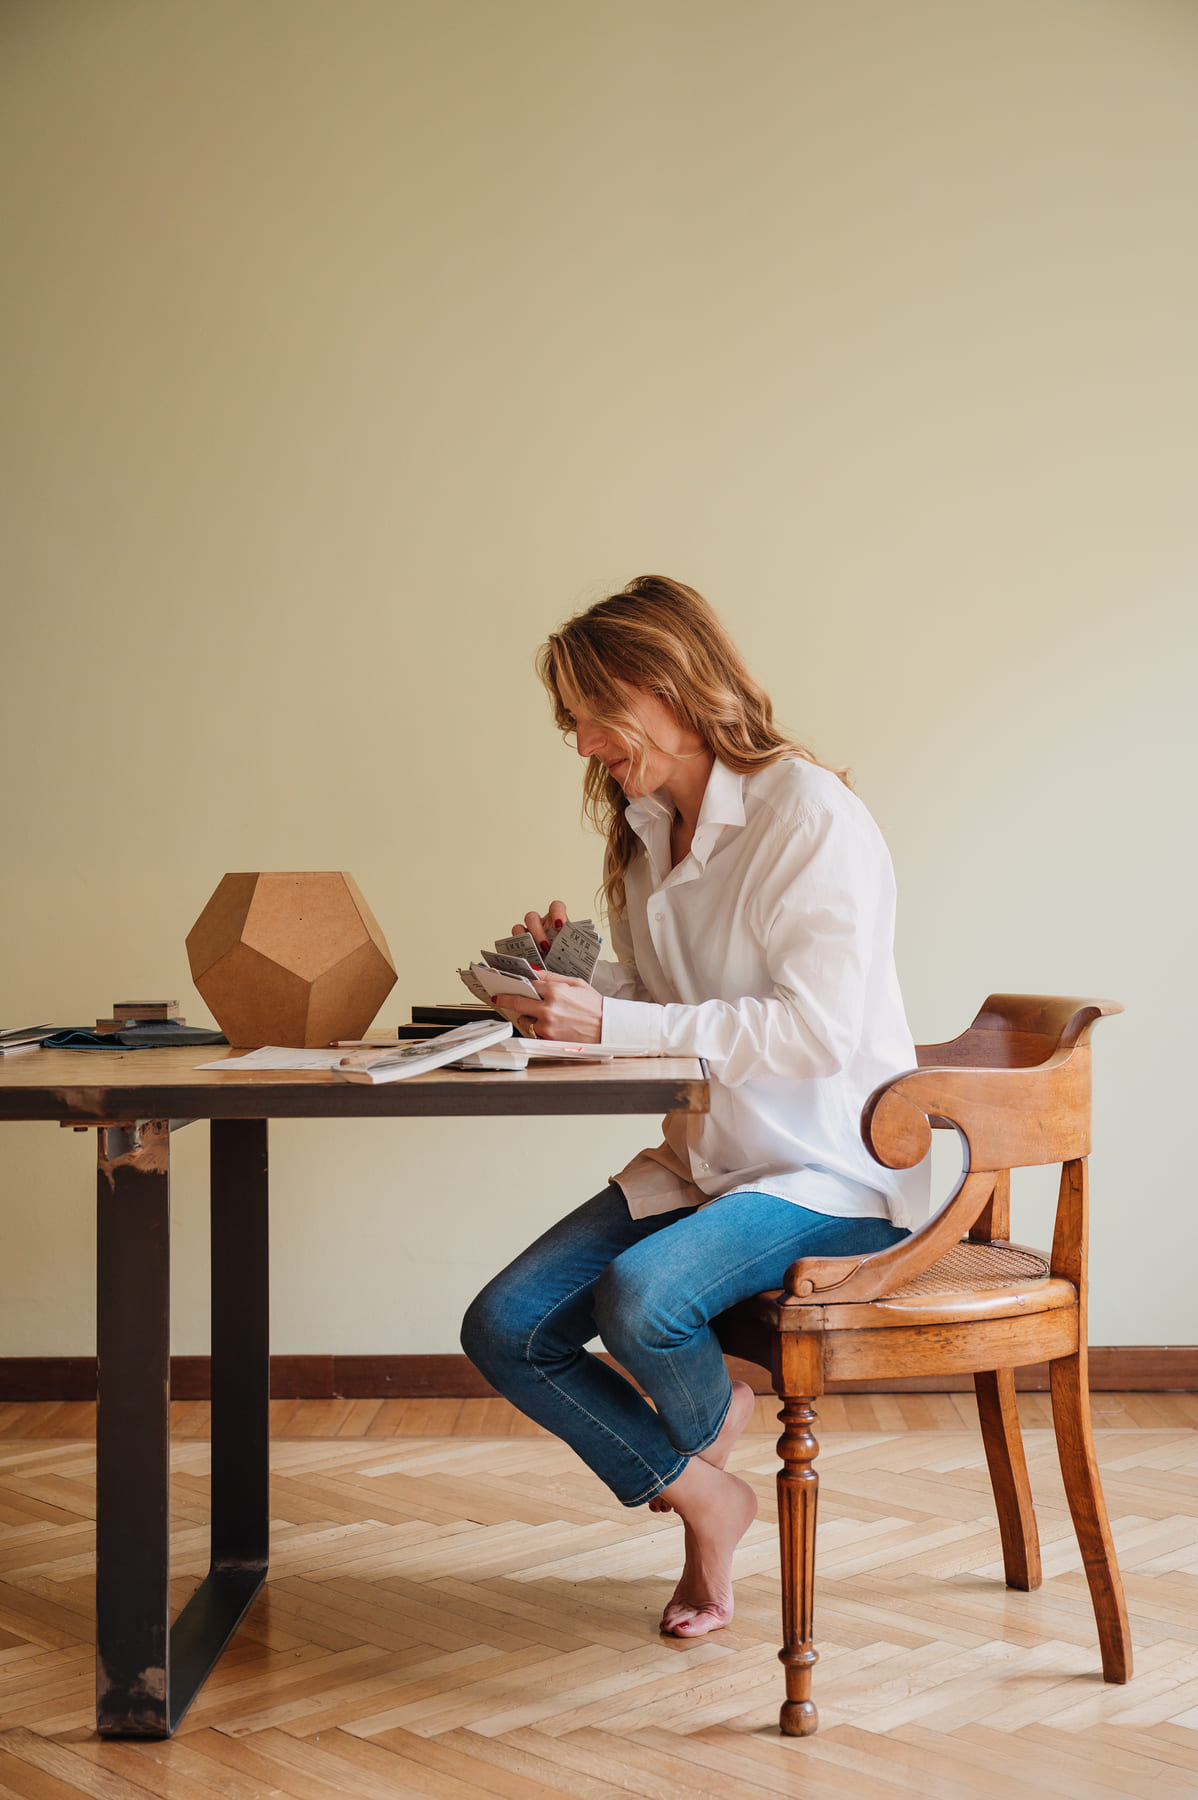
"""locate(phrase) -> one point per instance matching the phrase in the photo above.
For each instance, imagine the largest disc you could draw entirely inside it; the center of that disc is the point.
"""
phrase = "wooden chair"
(955, 1296)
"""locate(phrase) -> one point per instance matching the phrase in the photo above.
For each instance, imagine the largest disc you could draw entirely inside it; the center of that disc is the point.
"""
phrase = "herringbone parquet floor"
(457, 1608)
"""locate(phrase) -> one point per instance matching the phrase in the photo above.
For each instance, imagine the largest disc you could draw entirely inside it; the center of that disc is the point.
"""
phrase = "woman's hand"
(568, 1010)
(543, 930)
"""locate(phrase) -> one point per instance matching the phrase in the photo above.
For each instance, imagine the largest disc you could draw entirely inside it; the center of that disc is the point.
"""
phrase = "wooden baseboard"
(1122, 1368)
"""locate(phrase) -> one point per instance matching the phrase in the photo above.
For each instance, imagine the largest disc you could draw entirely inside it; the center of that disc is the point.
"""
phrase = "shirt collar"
(724, 799)
(723, 805)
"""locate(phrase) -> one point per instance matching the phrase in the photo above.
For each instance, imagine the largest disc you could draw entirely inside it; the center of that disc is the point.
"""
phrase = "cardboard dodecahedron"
(293, 959)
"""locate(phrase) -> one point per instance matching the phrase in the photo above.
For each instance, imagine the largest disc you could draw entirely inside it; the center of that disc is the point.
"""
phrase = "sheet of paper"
(475, 985)
(511, 965)
(523, 944)
(278, 1056)
(575, 951)
(492, 982)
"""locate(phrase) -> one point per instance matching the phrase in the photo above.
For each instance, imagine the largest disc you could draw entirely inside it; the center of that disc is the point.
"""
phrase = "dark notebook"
(135, 1037)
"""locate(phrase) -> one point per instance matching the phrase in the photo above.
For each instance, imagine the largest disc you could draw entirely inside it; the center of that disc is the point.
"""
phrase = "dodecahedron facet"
(286, 958)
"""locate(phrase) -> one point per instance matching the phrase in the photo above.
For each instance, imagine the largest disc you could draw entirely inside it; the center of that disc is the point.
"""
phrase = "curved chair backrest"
(1018, 1031)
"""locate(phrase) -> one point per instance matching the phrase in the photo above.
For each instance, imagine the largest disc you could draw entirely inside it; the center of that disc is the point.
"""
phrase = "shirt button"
(659, 917)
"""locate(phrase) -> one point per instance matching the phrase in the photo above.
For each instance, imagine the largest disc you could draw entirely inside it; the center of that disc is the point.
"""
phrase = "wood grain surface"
(457, 1608)
(78, 1086)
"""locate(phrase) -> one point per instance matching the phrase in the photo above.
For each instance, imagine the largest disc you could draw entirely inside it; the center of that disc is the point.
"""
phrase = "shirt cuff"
(633, 1022)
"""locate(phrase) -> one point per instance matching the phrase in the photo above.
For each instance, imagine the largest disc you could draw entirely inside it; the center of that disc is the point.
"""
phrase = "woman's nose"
(589, 740)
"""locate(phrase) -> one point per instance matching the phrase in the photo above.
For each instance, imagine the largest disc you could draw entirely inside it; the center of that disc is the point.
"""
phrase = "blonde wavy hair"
(664, 638)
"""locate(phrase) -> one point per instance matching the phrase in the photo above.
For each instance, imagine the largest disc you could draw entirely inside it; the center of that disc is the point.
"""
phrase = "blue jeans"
(648, 1288)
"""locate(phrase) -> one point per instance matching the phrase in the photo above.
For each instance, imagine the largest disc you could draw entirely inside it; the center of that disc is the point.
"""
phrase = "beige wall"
(350, 345)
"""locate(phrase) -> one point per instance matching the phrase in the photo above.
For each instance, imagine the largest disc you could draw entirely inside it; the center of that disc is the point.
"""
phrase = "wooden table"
(148, 1669)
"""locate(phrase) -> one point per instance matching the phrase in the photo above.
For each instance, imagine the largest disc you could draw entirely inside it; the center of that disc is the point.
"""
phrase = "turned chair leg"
(798, 1491)
(998, 1414)
(1083, 1490)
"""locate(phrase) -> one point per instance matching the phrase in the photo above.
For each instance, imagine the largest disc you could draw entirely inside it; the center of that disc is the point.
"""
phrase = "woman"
(750, 899)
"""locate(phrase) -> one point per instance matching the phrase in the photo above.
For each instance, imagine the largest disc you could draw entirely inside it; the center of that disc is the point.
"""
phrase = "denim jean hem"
(564, 1395)
(707, 1441)
(663, 1481)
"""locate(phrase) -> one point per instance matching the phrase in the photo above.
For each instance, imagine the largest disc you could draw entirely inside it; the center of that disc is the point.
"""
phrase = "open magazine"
(393, 1062)
(482, 1045)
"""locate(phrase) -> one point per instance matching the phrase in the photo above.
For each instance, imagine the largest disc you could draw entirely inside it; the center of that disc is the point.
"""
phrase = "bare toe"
(698, 1621)
(717, 1510)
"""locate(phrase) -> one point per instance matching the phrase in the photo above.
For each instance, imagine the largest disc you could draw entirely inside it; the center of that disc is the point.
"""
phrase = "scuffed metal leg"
(148, 1671)
(133, 1429)
(240, 1408)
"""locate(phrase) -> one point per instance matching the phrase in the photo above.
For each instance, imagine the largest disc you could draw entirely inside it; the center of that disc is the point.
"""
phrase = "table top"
(115, 1086)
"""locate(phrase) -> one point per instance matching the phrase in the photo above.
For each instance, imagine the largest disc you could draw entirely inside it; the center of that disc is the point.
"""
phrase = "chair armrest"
(834, 1279)
(1004, 1117)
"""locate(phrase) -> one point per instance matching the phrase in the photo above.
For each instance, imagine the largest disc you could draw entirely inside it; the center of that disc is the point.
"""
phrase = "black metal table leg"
(133, 1429)
(158, 1669)
(240, 1347)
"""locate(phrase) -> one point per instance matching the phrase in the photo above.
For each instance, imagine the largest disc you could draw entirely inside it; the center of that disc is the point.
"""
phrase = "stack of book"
(134, 1025)
(128, 1014)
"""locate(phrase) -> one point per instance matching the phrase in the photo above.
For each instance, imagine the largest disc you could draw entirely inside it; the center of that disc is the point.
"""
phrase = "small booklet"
(23, 1037)
(393, 1062)
(515, 963)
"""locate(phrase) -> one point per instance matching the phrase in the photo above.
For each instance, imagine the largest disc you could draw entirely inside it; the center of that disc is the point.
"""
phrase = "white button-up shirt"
(769, 951)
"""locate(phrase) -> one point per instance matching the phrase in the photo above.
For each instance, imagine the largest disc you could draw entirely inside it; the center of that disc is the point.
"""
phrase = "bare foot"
(716, 1509)
(740, 1411)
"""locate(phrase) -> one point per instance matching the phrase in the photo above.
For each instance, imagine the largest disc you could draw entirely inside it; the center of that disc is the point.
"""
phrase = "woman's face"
(669, 744)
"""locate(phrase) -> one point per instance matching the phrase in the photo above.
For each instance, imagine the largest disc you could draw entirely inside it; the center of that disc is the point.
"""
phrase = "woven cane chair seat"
(977, 1269)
